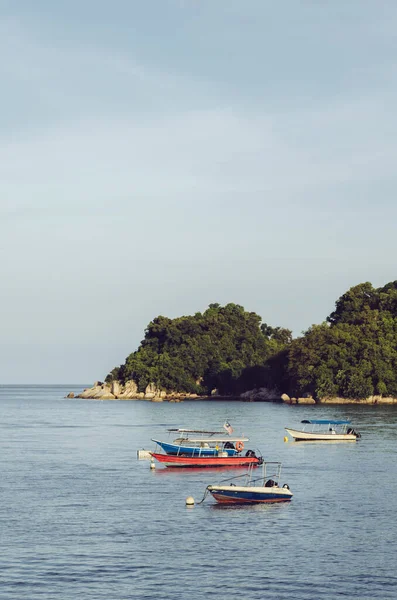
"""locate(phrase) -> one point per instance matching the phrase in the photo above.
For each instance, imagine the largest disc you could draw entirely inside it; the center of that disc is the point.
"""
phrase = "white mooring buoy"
(189, 501)
(152, 465)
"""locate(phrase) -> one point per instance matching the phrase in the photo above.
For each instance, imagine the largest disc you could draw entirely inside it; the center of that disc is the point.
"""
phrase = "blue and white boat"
(199, 442)
(324, 430)
(245, 489)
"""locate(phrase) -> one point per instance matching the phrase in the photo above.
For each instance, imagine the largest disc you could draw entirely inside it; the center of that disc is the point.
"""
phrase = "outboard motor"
(250, 454)
(270, 483)
(354, 432)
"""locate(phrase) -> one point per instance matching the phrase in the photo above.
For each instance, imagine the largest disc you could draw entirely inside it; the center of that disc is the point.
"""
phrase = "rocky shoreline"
(129, 391)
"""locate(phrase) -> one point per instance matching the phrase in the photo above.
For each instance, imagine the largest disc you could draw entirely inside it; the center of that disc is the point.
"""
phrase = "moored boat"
(202, 446)
(245, 489)
(322, 430)
(202, 442)
(219, 460)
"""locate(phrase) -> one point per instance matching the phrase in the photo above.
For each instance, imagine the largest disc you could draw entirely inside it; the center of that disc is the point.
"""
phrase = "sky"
(159, 156)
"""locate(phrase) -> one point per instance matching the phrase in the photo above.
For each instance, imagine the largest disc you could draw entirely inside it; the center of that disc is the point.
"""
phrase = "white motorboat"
(322, 430)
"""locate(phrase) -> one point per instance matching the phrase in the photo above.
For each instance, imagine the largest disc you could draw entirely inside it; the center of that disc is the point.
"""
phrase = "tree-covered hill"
(225, 348)
(353, 354)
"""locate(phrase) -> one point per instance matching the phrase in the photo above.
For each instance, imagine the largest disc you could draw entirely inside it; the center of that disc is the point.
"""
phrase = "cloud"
(100, 127)
(131, 188)
(47, 82)
(94, 164)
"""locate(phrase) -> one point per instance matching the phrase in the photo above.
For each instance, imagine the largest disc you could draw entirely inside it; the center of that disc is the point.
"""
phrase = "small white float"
(143, 455)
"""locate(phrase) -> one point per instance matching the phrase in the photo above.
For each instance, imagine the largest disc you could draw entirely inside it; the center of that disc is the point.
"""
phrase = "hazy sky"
(160, 155)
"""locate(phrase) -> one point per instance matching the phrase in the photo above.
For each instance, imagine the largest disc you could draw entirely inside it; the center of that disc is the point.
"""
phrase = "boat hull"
(249, 495)
(206, 461)
(314, 436)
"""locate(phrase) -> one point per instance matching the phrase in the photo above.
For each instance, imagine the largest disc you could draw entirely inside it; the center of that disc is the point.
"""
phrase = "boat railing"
(243, 476)
(248, 479)
(318, 425)
(197, 450)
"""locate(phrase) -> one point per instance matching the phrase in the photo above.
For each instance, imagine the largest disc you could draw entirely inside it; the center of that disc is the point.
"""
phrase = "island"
(228, 352)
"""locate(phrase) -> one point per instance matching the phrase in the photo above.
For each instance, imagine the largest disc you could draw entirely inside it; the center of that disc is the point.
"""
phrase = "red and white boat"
(220, 460)
(205, 449)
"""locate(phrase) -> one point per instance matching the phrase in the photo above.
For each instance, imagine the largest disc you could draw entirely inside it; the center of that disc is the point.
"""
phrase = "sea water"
(81, 517)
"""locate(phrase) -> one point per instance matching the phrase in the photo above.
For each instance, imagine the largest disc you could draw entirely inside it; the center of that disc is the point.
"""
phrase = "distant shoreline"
(129, 391)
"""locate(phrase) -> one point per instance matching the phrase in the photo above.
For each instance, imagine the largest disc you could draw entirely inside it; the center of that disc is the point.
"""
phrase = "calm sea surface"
(81, 517)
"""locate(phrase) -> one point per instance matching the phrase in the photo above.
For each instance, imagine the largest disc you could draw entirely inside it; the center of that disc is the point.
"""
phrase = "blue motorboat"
(246, 489)
(203, 446)
(201, 442)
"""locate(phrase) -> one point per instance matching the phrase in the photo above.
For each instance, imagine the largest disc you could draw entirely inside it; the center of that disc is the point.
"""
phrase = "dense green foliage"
(225, 348)
(353, 354)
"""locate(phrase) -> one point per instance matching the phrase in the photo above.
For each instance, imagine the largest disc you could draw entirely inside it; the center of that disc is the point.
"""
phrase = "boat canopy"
(203, 431)
(217, 439)
(325, 422)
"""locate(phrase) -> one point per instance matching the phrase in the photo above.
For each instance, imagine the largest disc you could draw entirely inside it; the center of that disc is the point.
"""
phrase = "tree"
(352, 354)
(202, 352)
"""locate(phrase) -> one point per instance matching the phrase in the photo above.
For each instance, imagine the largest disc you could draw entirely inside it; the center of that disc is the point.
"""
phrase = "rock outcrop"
(129, 391)
(151, 391)
(99, 391)
(303, 400)
(369, 400)
(337, 400)
(261, 395)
